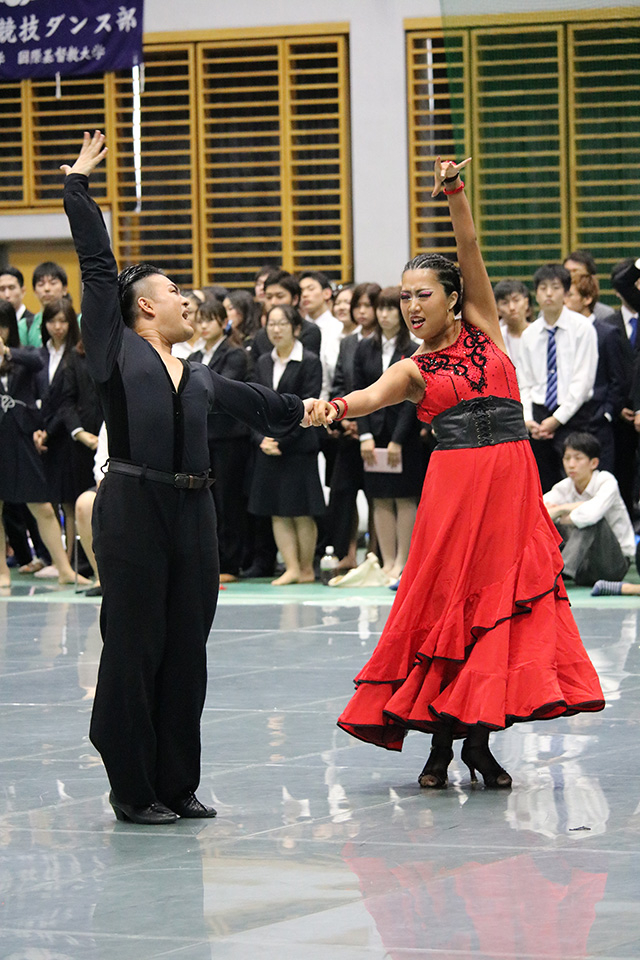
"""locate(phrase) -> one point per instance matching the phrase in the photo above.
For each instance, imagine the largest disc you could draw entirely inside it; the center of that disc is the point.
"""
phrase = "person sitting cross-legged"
(590, 514)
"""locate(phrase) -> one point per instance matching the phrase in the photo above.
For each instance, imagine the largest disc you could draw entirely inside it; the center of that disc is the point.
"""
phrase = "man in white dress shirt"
(556, 372)
(587, 508)
(315, 304)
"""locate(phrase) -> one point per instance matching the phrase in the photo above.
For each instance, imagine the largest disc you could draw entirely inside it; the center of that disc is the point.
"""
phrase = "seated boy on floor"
(587, 508)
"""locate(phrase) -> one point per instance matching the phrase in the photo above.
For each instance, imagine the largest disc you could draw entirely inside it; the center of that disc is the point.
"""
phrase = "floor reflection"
(324, 846)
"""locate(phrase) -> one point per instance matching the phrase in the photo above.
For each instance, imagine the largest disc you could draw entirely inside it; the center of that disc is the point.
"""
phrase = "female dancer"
(480, 635)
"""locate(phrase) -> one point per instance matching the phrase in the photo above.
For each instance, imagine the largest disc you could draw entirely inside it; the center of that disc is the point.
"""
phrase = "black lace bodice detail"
(466, 358)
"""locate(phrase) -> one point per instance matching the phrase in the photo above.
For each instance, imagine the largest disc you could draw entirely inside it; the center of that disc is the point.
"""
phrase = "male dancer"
(154, 519)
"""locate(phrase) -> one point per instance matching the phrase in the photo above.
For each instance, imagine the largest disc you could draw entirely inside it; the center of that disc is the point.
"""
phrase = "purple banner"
(75, 38)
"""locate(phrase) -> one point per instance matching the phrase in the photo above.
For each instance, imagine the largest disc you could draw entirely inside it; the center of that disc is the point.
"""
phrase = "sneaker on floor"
(47, 573)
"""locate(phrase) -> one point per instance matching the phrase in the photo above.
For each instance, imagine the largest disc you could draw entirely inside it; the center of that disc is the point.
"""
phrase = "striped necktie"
(633, 323)
(551, 396)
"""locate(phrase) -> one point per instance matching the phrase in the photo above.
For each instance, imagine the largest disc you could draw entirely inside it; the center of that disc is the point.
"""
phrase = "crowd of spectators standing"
(578, 367)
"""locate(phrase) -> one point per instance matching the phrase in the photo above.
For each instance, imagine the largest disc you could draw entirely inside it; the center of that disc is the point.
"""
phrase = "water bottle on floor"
(328, 565)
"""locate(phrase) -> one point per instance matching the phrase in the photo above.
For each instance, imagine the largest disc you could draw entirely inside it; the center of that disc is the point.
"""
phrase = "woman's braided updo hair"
(447, 272)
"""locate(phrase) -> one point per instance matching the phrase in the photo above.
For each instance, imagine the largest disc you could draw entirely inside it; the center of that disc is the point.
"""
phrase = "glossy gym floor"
(324, 848)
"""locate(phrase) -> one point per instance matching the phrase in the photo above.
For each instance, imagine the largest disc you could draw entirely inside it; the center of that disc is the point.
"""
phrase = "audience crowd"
(578, 367)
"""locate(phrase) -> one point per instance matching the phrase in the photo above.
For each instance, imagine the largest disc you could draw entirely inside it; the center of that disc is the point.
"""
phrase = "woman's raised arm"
(479, 306)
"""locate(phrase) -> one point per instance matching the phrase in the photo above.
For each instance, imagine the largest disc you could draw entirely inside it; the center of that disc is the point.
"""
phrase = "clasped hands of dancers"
(454, 659)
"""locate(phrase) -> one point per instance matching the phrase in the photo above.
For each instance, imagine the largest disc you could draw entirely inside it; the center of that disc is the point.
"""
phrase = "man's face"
(550, 294)
(11, 290)
(163, 308)
(578, 466)
(514, 308)
(576, 270)
(575, 301)
(48, 289)
(314, 297)
(275, 296)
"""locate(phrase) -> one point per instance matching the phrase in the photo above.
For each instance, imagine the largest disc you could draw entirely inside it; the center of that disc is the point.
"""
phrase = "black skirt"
(22, 478)
(286, 486)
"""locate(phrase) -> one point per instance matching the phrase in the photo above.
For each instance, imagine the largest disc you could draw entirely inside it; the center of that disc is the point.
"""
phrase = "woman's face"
(192, 311)
(364, 313)
(279, 330)
(211, 329)
(58, 328)
(389, 320)
(4, 333)
(341, 306)
(425, 306)
(233, 316)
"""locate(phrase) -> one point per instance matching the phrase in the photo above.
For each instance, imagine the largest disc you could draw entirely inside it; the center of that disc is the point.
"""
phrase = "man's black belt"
(481, 422)
(181, 481)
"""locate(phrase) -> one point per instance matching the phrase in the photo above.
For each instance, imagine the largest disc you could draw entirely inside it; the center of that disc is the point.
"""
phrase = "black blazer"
(304, 379)
(81, 407)
(232, 363)
(309, 336)
(51, 395)
(343, 377)
(25, 363)
(613, 380)
(400, 421)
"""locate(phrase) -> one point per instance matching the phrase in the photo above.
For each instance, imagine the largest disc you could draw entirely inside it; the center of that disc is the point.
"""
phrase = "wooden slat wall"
(240, 130)
(317, 160)
(13, 187)
(520, 148)
(553, 123)
(245, 156)
(165, 231)
(56, 130)
(273, 121)
(437, 84)
(604, 87)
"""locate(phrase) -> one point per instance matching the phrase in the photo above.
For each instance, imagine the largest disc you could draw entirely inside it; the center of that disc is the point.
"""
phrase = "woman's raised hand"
(448, 169)
(93, 151)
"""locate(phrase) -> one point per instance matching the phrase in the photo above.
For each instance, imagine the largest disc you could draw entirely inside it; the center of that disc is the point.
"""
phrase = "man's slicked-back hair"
(127, 288)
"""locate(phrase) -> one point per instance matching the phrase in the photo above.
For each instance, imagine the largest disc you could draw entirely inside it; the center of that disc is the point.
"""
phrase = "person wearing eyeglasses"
(286, 484)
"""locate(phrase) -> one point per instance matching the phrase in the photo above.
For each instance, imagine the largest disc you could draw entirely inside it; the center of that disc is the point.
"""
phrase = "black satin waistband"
(481, 422)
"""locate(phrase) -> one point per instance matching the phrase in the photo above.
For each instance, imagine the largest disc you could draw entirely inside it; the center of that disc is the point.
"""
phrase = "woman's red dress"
(481, 631)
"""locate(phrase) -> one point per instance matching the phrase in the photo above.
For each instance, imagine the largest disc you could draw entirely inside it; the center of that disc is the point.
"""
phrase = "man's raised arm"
(102, 324)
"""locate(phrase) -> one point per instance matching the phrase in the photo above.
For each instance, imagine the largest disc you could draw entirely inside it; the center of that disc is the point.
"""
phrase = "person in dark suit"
(60, 334)
(12, 289)
(228, 438)
(624, 277)
(348, 474)
(611, 386)
(22, 478)
(281, 289)
(396, 428)
(286, 483)
(81, 413)
(154, 518)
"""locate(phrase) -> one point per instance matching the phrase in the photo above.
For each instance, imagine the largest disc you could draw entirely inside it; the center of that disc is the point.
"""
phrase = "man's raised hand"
(92, 153)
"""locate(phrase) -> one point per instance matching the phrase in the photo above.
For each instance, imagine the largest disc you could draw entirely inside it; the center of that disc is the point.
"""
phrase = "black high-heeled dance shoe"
(434, 773)
(477, 756)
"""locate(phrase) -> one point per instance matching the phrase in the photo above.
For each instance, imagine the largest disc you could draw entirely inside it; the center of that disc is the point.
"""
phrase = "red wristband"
(334, 404)
(450, 193)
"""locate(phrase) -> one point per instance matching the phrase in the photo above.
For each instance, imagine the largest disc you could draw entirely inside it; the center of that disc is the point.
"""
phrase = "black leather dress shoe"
(191, 809)
(156, 813)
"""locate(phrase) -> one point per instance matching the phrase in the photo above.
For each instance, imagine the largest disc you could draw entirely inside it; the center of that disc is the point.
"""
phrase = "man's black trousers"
(157, 557)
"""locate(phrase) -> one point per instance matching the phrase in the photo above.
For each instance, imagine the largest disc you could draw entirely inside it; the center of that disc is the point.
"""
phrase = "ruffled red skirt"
(481, 631)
